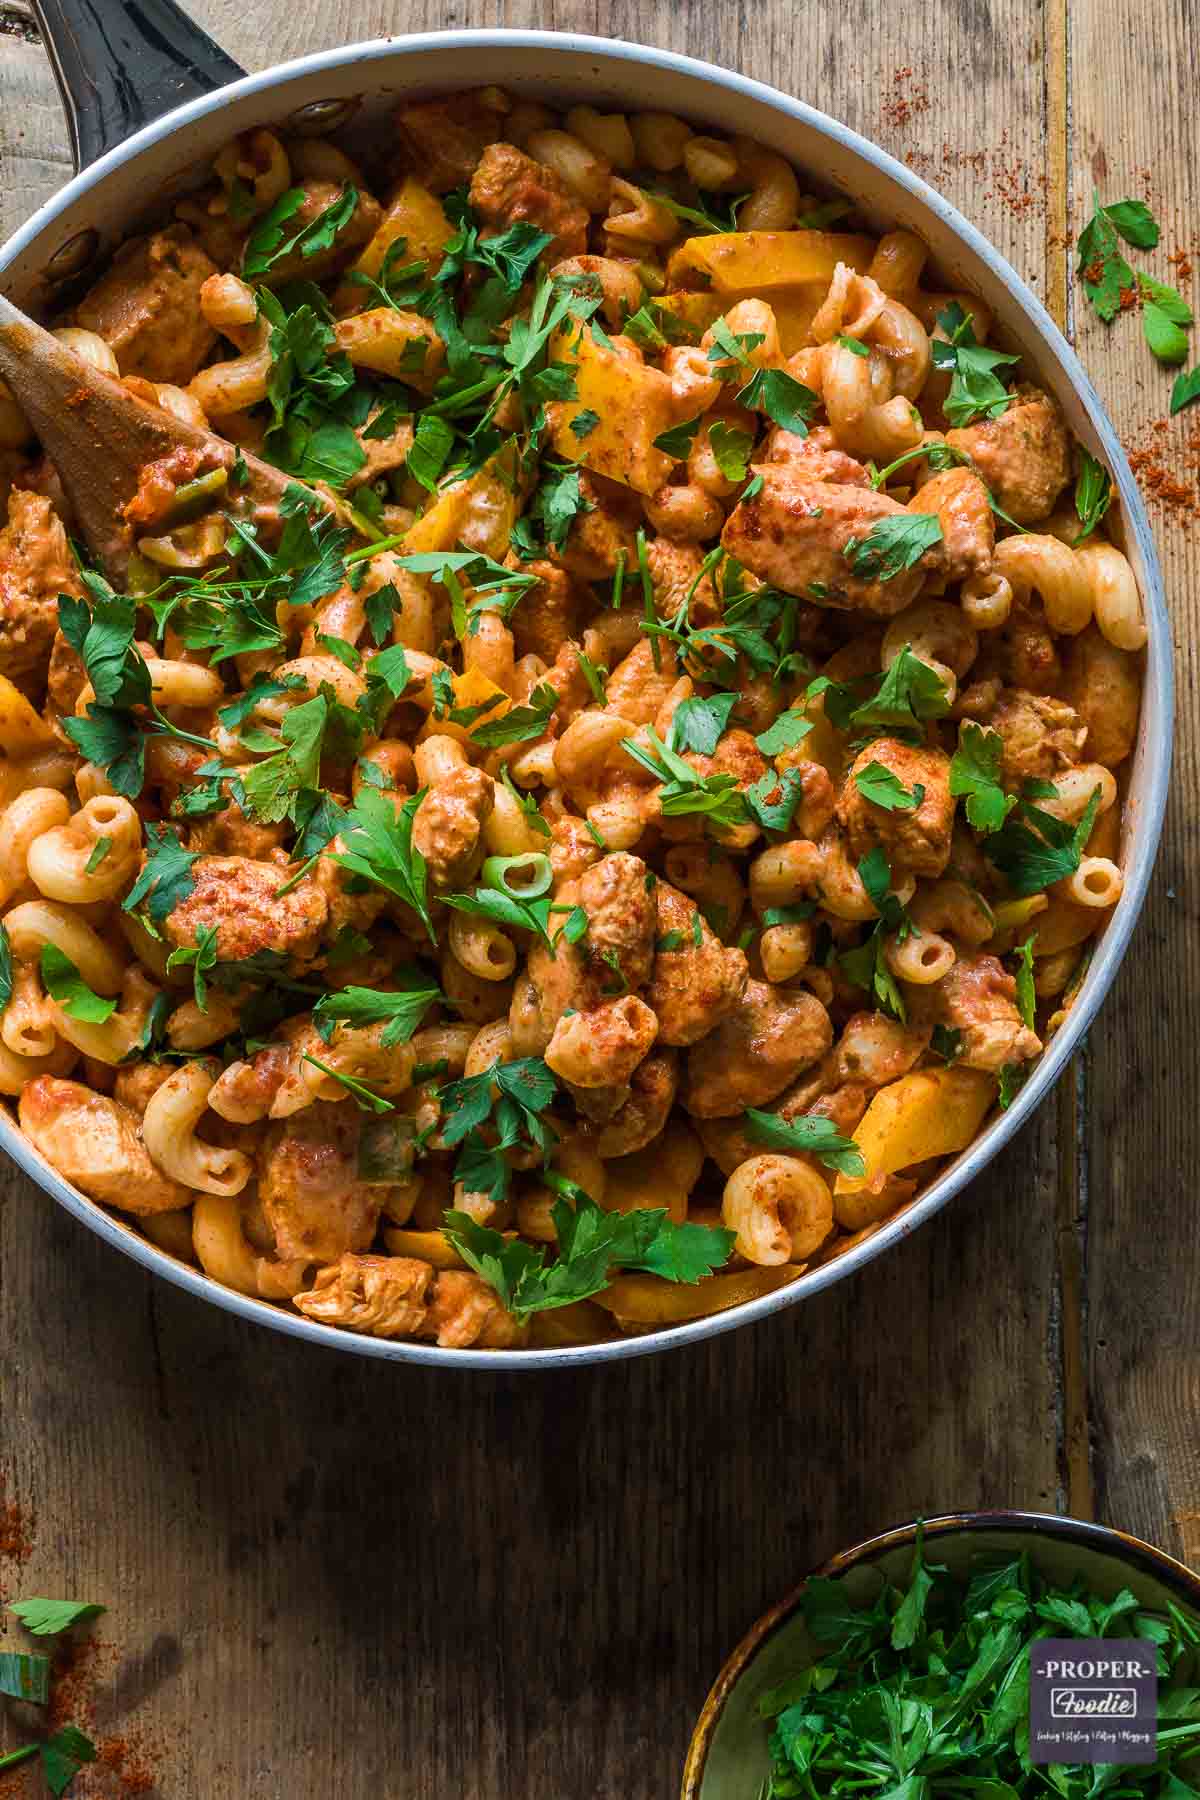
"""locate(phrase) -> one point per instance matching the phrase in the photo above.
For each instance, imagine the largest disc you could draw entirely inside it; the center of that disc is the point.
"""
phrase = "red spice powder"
(1159, 457)
(17, 1529)
(905, 100)
(1181, 262)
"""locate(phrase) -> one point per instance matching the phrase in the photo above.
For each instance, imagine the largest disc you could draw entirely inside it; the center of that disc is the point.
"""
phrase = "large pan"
(120, 66)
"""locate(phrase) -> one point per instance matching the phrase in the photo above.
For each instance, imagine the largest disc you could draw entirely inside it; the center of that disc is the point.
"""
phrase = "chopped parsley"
(892, 545)
(808, 1135)
(975, 776)
(592, 1245)
(1093, 493)
(975, 390)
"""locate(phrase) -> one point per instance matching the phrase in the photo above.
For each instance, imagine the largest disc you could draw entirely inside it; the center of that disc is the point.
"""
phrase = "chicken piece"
(137, 1083)
(508, 186)
(736, 754)
(359, 911)
(795, 532)
(572, 849)
(621, 919)
(818, 456)
(643, 1115)
(728, 1142)
(1042, 736)
(448, 826)
(240, 899)
(674, 574)
(308, 1183)
(618, 948)
(818, 796)
(358, 230)
(602, 1047)
(443, 139)
(545, 616)
(603, 532)
(230, 833)
(36, 566)
(147, 306)
(96, 1143)
(383, 1296)
(979, 998)
(694, 984)
(1024, 456)
(916, 839)
(464, 1312)
(637, 688)
(760, 1046)
(968, 523)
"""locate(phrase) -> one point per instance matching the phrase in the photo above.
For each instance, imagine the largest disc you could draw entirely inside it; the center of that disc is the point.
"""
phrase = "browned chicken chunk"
(638, 686)
(757, 1049)
(385, 1296)
(1041, 736)
(509, 186)
(795, 532)
(147, 306)
(96, 1143)
(448, 826)
(465, 1312)
(36, 566)
(618, 948)
(1024, 456)
(443, 139)
(818, 456)
(916, 839)
(240, 899)
(546, 614)
(359, 228)
(642, 1116)
(309, 1187)
(602, 533)
(979, 998)
(693, 985)
(968, 523)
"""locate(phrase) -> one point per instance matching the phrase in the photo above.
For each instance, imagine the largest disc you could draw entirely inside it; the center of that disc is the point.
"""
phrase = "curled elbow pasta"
(169, 1132)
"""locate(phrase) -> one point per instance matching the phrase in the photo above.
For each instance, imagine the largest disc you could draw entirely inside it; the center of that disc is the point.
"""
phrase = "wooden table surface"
(329, 1575)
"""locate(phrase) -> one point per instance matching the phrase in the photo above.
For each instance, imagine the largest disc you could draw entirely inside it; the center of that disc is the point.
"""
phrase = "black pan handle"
(121, 63)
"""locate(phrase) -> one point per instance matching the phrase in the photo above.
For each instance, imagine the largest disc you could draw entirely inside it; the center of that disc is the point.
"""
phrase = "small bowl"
(729, 1758)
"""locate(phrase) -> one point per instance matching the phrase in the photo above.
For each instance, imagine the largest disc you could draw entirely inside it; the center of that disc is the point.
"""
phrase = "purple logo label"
(1093, 1700)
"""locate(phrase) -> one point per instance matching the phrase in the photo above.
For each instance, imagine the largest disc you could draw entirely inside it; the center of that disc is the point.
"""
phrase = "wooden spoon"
(100, 437)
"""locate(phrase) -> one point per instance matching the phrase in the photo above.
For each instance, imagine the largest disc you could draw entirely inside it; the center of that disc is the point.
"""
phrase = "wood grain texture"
(323, 1572)
(1138, 1202)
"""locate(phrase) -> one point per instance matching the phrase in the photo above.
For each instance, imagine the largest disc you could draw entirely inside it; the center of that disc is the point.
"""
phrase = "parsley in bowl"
(902, 1670)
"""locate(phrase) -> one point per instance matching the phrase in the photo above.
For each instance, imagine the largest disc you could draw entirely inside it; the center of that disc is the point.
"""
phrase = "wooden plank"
(325, 1571)
(1139, 1205)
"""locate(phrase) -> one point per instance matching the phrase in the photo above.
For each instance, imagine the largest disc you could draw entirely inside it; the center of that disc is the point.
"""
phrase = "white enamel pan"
(149, 98)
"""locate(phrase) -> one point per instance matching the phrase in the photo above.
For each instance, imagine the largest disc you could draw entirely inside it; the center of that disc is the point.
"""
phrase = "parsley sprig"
(592, 1245)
